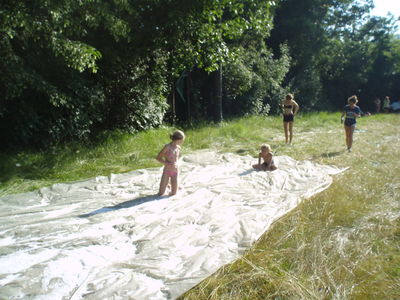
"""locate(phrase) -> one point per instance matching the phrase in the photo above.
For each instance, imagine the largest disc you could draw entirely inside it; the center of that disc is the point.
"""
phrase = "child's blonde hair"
(289, 96)
(266, 146)
(177, 135)
(352, 99)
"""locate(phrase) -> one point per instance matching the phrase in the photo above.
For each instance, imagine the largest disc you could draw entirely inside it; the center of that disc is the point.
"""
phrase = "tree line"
(71, 69)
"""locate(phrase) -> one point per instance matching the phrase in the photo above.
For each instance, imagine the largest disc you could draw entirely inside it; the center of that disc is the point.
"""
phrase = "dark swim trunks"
(288, 118)
(350, 122)
(267, 166)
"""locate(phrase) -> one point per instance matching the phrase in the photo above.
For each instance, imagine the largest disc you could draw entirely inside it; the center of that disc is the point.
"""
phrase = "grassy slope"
(341, 244)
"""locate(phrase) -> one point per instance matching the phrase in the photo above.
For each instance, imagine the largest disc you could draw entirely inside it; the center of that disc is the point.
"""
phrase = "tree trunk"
(218, 95)
(188, 97)
(173, 104)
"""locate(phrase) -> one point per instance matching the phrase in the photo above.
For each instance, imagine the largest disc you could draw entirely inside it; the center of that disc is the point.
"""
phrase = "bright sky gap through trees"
(384, 7)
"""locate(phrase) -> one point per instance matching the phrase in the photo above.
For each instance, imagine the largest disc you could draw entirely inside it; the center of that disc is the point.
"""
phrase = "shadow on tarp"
(126, 204)
(247, 172)
(251, 171)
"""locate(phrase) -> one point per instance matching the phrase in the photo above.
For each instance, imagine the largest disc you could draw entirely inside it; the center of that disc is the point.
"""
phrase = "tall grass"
(113, 153)
(343, 243)
(118, 152)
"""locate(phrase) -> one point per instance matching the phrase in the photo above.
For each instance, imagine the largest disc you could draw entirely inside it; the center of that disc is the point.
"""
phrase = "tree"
(314, 31)
(76, 67)
(42, 51)
(384, 61)
(361, 60)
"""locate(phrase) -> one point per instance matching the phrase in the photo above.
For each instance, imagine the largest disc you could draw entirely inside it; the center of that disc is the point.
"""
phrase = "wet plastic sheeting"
(113, 238)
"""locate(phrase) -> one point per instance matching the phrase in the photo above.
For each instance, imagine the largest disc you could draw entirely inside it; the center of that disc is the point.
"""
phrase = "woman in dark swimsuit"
(290, 109)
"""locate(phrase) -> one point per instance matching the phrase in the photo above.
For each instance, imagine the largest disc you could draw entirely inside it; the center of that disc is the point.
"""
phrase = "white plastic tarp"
(114, 238)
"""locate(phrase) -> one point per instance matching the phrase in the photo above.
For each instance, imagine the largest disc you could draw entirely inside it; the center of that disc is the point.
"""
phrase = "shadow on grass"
(37, 168)
(37, 164)
(126, 204)
(331, 154)
(242, 151)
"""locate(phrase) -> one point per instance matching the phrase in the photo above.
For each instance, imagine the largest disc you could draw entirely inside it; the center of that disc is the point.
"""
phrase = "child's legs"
(346, 131)
(163, 183)
(256, 166)
(349, 135)
(174, 184)
(291, 131)
(286, 129)
(351, 130)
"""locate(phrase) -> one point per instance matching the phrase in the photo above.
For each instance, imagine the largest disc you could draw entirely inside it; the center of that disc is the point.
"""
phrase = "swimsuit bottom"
(350, 122)
(171, 173)
(288, 118)
(268, 165)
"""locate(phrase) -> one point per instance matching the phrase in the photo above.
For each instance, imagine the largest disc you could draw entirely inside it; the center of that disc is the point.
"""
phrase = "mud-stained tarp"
(113, 238)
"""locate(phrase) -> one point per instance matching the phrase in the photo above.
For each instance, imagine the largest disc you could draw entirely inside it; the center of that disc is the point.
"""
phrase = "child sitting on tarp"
(266, 156)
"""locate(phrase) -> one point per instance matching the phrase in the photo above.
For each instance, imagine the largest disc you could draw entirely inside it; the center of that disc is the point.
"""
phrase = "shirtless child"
(266, 156)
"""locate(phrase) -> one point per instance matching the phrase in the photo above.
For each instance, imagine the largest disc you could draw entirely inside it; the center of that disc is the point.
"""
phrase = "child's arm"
(259, 160)
(296, 107)
(161, 155)
(358, 113)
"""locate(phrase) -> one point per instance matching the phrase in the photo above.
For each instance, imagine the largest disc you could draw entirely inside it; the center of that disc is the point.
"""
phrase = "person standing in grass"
(377, 103)
(169, 156)
(290, 109)
(386, 104)
(267, 160)
(349, 114)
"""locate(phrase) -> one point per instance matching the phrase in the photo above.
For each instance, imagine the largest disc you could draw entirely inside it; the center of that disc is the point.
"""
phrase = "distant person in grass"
(169, 156)
(290, 109)
(386, 104)
(266, 157)
(349, 114)
(377, 103)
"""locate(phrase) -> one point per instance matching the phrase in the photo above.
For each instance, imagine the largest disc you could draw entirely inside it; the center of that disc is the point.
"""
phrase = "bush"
(136, 96)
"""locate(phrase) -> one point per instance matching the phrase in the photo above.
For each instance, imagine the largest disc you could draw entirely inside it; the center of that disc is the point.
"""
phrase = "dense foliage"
(338, 50)
(70, 69)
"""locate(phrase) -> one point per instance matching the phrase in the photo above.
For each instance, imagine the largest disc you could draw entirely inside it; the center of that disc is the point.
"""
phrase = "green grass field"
(343, 243)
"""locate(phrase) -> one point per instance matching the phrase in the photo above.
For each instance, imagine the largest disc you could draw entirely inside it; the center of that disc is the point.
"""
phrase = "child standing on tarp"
(267, 160)
(169, 156)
